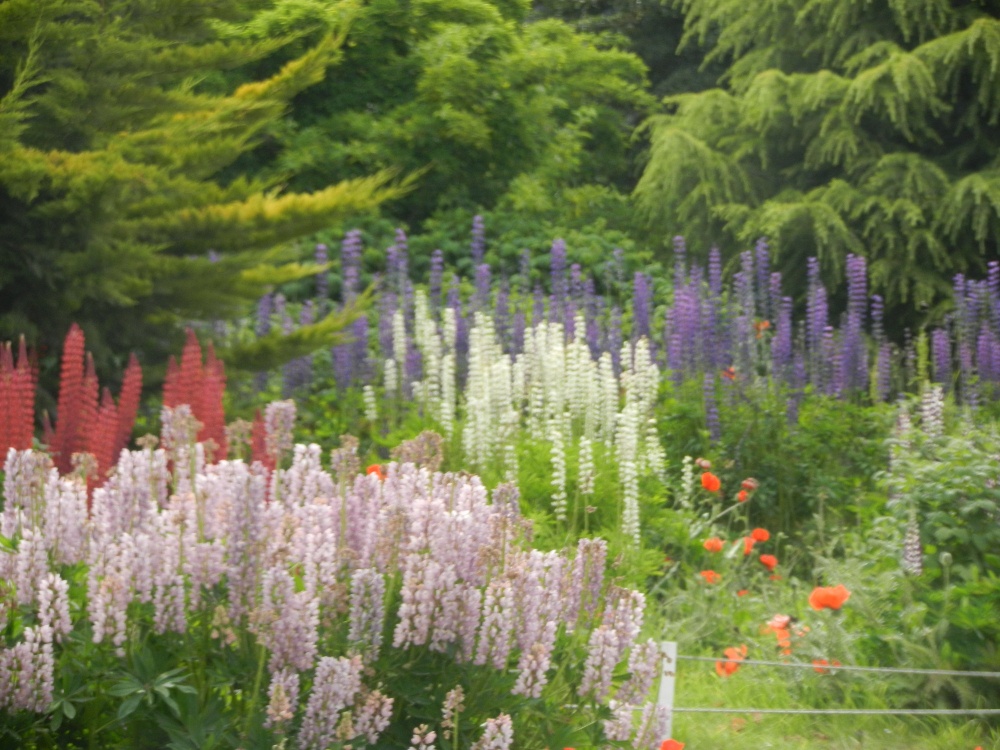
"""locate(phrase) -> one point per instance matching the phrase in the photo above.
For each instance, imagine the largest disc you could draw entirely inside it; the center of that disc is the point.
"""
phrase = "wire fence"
(668, 678)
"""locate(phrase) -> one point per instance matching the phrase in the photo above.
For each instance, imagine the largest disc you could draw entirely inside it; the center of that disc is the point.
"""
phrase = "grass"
(767, 687)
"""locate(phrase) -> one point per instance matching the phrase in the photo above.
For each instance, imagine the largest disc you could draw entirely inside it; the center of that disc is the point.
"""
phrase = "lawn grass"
(764, 687)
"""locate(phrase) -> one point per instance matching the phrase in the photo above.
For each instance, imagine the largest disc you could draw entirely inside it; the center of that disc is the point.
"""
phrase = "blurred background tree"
(115, 209)
(838, 127)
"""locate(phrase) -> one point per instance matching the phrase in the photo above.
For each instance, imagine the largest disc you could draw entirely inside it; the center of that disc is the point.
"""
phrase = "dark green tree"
(864, 126)
(113, 212)
(487, 105)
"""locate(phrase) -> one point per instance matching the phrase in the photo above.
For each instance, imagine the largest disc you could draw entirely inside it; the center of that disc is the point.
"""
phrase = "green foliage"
(842, 127)
(487, 103)
(110, 160)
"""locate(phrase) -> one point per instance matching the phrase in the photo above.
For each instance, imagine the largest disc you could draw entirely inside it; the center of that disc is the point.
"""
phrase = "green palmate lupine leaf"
(129, 705)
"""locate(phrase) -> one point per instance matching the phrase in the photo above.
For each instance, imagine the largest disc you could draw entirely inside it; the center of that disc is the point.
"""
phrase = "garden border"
(668, 679)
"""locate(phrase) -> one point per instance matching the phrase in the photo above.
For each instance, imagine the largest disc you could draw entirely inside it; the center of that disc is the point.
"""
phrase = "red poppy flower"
(760, 535)
(376, 470)
(769, 561)
(742, 496)
(750, 484)
(829, 597)
(734, 656)
(710, 482)
(671, 745)
(710, 576)
(742, 592)
(748, 542)
(713, 545)
(820, 665)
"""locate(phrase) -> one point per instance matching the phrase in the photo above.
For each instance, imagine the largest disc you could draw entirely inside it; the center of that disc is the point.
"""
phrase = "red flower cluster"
(734, 656)
(828, 597)
(201, 387)
(713, 545)
(710, 576)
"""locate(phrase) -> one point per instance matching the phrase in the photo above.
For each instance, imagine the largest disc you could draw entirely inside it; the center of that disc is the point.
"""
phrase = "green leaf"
(129, 705)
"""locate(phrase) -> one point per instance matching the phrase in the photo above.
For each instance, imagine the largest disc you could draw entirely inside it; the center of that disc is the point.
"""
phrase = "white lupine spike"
(389, 375)
(558, 468)
(371, 411)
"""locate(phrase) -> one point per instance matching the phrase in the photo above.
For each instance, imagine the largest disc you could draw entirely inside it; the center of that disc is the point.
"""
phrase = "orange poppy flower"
(710, 482)
(748, 542)
(729, 373)
(671, 745)
(713, 545)
(829, 597)
(710, 576)
(734, 656)
(376, 470)
(742, 496)
(761, 326)
(742, 592)
(769, 561)
(760, 535)
(778, 622)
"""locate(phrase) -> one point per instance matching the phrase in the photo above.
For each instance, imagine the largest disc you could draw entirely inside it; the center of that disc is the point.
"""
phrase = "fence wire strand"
(844, 711)
(845, 668)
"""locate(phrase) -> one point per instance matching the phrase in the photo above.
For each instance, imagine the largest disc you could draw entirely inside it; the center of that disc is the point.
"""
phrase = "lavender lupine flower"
(534, 664)
(985, 346)
(372, 716)
(498, 734)
(478, 240)
(711, 408)
(283, 698)
(602, 657)
(993, 292)
(423, 738)
(436, 278)
(279, 422)
(350, 264)
(762, 263)
(644, 667)
(517, 335)
(537, 307)
(941, 349)
(968, 380)
(481, 297)
(286, 622)
(781, 342)
(337, 683)
(367, 614)
(642, 303)
(816, 324)
(497, 629)
(557, 279)
(853, 359)
(715, 272)
(882, 366)
(322, 281)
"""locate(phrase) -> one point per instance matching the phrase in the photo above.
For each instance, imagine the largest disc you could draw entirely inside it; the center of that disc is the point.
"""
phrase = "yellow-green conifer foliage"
(111, 151)
(865, 126)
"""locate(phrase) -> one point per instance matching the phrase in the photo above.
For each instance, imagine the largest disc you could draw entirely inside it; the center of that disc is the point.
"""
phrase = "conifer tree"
(114, 141)
(864, 126)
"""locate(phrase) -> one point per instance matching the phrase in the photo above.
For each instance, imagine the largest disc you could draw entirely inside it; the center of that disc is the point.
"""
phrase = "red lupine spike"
(171, 384)
(103, 436)
(88, 408)
(258, 443)
(213, 417)
(191, 375)
(24, 393)
(70, 392)
(128, 403)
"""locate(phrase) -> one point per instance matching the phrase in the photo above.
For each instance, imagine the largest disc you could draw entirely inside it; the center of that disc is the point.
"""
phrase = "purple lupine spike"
(781, 342)
(642, 304)
(680, 262)
(762, 263)
(265, 306)
(478, 240)
(501, 315)
(883, 371)
(524, 269)
(853, 359)
(615, 338)
(774, 298)
(322, 281)
(360, 365)
(835, 376)
(993, 289)
(715, 271)
(941, 352)
(343, 360)
(557, 279)
(688, 323)
(517, 335)
(437, 276)
(538, 307)
(984, 355)
(481, 297)
(816, 322)
(350, 264)
(413, 367)
(711, 408)
(672, 345)
(387, 309)
(744, 287)
(967, 378)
